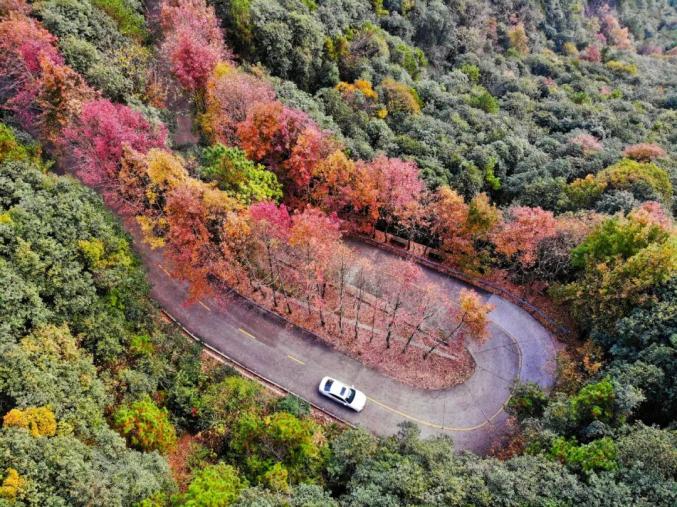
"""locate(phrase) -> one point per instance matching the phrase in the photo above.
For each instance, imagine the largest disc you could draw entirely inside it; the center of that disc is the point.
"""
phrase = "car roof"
(337, 386)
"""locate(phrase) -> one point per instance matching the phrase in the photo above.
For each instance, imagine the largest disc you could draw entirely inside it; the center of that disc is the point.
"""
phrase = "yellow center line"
(295, 359)
(247, 334)
(205, 306)
(163, 269)
(430, 424)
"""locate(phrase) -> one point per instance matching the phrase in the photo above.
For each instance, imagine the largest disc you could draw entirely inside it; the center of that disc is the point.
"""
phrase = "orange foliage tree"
(520, 234)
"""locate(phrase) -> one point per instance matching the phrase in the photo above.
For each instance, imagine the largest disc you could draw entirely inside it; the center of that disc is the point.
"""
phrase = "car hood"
(360, 401)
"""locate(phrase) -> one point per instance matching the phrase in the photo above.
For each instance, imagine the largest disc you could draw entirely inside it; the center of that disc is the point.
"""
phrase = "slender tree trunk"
(341, 288)
(373, 322)
(411, 336)
(445, 340)
(396, 307)
(272, 274)
(283, 288)
(358, 304)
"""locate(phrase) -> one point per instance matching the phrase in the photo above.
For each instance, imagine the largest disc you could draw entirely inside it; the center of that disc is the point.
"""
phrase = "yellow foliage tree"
(400, 98)
(12, 485)
(518, 39)
(40, 421)
(165, 172)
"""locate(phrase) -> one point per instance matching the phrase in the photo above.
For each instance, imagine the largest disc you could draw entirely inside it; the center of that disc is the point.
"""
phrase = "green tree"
(213, 486)
(233, 172)
(597, 455)
(619, 264)
(527, 400)
(145, 426)
(259, 442)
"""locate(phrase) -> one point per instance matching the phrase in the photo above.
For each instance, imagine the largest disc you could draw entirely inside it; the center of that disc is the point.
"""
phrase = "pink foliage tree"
(651, 212)
(591, 54)
(193, 42)
(587, 143)
(24, 44)
(398, 186)
(397, 280)
(229, 98)
(616, 34)
(96, 141)
(524, 229)
(16, 6)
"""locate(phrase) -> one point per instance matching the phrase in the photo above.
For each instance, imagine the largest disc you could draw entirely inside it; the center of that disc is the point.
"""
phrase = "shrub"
(293, 405)
(627, 174)
(145, 426)
(482, 99)
(527, 400)
(12, 485)
(130, 22)
(216, 485)
(644, 152)
(597, 455)
(622, 67)
(400, 98)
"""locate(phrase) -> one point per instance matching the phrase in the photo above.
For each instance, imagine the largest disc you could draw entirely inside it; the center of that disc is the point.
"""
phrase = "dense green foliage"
(63, 317)
(103, 40)
(240, 177)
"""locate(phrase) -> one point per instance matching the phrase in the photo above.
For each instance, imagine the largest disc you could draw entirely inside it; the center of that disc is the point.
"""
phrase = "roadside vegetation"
(537, 150)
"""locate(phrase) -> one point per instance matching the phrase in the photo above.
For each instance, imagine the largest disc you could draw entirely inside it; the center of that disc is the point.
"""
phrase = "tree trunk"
(357, 313)
(446, 339)
(272, 275)
(340, 322)
(411, 336)
(373, 322)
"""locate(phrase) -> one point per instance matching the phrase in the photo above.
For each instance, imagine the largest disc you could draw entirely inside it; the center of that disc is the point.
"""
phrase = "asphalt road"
(471, 413)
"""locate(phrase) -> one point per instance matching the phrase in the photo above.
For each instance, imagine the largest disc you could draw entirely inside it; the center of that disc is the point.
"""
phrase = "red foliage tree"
(23, 42)
(57, 102)
(26, 48)
(270, 131)
(315, 238)
(520, 235)
(188, 240)
(312, 146)
(270, 232)
(97, 139)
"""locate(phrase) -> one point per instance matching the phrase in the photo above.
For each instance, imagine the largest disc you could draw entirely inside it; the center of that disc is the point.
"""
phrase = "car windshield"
(328, 385)
(351, 396)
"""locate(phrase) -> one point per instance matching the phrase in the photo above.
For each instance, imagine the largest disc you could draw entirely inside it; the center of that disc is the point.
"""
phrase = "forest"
(529, 145)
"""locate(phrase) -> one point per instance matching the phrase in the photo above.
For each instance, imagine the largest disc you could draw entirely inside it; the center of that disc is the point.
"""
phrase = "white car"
(345, 395)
